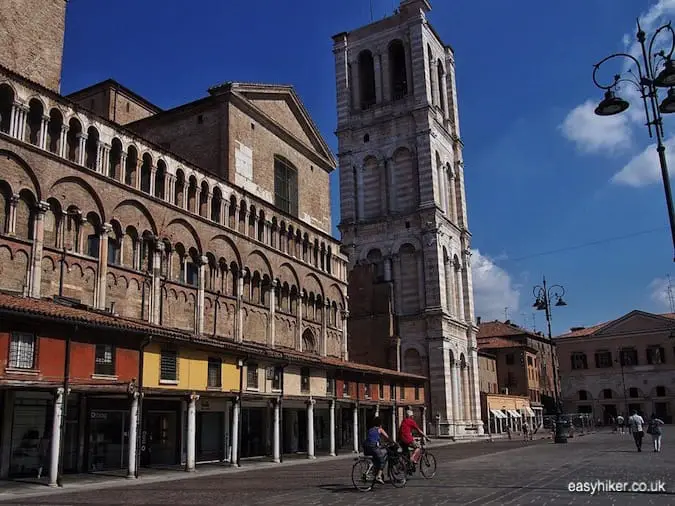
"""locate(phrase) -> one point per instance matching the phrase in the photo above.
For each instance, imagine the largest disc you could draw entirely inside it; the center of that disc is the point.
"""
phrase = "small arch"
(192, 194)
(308, 342)
(179, 190)
(216, 205)
(131, 166)
(366, 79)
(397, 70)
(440, 76)
(160, 178)
(204, 199)
(146, 172)
(7, 98)
(73, 140)
(91, 148)
(36, 113)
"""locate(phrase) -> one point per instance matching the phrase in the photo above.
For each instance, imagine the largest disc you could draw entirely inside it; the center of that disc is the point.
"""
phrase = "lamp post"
(543, 295)
(656, 71)
(623, 381)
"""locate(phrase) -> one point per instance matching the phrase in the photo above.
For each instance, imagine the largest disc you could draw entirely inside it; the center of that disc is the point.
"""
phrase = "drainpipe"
(66, 389)
(281, 415)
(241, 398)
(141, 365)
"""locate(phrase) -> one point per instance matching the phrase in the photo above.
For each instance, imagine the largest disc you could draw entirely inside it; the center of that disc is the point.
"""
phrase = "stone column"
(423, 410)
(11, 219)
(44, 125)
(191, 432)
(63, 142)
(466, 394)
(298, 326)
(420, 279)
(387, 269)
(56, 438)
(345, 352)
(106, 228)
(156, 282)
(394, 424)
(133, 427)
(271, 337)
(36, 251)
(234, 459)
(460, 293)
(310, 429)
(105, 167)
(240, 313)
(325, 311)
(123, 168)
(276, 442)
(396, 261)
(331, 412)
(378, 77)
(14, 119)
(456, 396)
(82, 152)
(209, 199)
(153, 175)
(443, 91)
(169, 188)
(355, 427)
(203, 261)
(80, 235)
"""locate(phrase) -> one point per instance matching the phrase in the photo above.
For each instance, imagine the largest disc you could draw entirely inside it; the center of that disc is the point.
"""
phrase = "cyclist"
(372, 447)
(405, 436)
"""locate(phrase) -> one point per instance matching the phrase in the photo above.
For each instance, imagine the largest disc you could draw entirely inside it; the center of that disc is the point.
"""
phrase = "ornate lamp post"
(543, 296)
(656, 71)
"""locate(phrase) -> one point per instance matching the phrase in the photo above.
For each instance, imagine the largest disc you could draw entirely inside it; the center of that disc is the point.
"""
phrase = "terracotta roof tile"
(498, 342)
(501, 329)
(587, 331)
(51, 309)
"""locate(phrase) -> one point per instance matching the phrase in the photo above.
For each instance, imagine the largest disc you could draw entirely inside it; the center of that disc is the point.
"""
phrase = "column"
(56, 438)
(234, 459)
(378, 77)
(226, 433)
(36, 252)
(240, 313)
(133, 427)
(355, 427)
(331, 416)
(106, 228)
(82, 141)
(443, 85)
(298, 326)
(105, 165)
(191, 432)
(276, 443)
(345, 352)
(156, 282)
(387, 269)
(325, 310)
(459, 287)
(11, 219)
(396, 261)
(271, 327)
(123, 168)
(457, 401)
(359, 193)
(13, 121)
(420, 279)
(203, 262)
(310, 429)
(423, 409)
(394, 424)
(169, 188)
(186, 191)
(63, 142)
(153, 175)
(139, 167)
(80, 236)
(44, 125)
(466, 393)
(355, 85)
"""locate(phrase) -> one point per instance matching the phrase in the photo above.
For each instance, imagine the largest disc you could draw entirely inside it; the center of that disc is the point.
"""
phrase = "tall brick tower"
(403, 208)
(31, 37)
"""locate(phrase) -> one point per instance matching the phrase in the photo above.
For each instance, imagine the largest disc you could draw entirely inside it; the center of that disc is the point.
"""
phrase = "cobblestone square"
(502, 472)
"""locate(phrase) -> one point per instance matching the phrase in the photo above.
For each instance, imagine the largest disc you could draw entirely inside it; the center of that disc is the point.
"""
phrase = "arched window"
(285, 185)
(308, 342)
(397, 67)
(36, 112)
(6, 104)
(441, 89)
(91, 149)
(367, 79)
(54, 131)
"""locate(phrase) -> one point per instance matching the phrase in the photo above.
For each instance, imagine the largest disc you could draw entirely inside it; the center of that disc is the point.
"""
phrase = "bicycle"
(363, 471)
(427, 462)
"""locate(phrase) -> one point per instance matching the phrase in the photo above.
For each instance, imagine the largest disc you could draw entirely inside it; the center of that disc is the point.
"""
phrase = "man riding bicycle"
(405, 436)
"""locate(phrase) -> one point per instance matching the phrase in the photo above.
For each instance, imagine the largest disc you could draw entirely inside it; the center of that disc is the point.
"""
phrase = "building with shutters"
(199, 239)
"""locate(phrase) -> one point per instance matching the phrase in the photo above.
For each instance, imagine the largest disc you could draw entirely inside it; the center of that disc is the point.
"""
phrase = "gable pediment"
(636, 322)
(282, 106)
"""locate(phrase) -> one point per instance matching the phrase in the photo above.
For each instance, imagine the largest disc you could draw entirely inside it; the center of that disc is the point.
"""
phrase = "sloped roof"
(501, 329)
(589, 331)
(13, 305)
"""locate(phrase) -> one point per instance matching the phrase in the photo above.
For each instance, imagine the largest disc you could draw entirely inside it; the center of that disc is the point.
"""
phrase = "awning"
(528, 411)
(514, 414)
(497, 413)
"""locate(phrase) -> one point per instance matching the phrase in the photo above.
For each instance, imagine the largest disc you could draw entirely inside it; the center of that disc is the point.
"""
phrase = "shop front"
(255, 429)
(160, 436)
(211, 426)
(108, 429)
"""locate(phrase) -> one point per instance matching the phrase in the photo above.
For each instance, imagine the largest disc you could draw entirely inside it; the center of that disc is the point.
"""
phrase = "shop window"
(252, 376)
(417, 392)
(22, 351)
(304, 380)
(168, 365)
(509, 359)
(215, 373)
(277, 377)
(104, 362)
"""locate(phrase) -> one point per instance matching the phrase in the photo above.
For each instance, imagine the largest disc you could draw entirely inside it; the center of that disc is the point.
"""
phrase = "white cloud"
(593, 133)
(493, 288)
(644, 169)
(659, 293)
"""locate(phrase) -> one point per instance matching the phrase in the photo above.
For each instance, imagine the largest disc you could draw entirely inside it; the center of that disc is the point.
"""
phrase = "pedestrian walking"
(619, 423)
(654, 429)
(43, 455)
(526, 431)
(636, 423)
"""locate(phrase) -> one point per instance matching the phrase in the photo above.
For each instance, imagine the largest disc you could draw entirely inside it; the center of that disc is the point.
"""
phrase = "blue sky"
(540, 170)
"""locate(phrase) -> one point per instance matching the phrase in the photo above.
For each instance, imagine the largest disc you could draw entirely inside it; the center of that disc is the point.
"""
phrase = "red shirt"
(405, 432)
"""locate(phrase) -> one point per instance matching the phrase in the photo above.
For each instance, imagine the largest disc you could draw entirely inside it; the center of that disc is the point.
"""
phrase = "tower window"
(200, 119)
(366, 138)
(285, 186)
(399, 78)
(367, 79)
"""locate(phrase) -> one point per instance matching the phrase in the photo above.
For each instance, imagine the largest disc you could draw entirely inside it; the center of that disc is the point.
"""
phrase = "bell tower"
(403, 206)
(32, 33)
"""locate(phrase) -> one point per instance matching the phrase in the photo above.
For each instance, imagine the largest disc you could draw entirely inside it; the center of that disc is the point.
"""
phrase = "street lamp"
(656, 71)
(543, 296)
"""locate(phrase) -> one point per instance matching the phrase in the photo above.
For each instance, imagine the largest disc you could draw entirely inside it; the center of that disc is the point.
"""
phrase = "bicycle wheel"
(362, 475)
(397, 473)
(428, 465)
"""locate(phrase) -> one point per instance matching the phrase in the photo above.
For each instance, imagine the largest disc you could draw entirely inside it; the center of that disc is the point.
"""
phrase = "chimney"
(477, 320)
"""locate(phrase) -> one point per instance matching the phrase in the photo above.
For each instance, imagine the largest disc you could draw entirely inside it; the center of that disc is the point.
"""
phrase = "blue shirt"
(373, 437)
